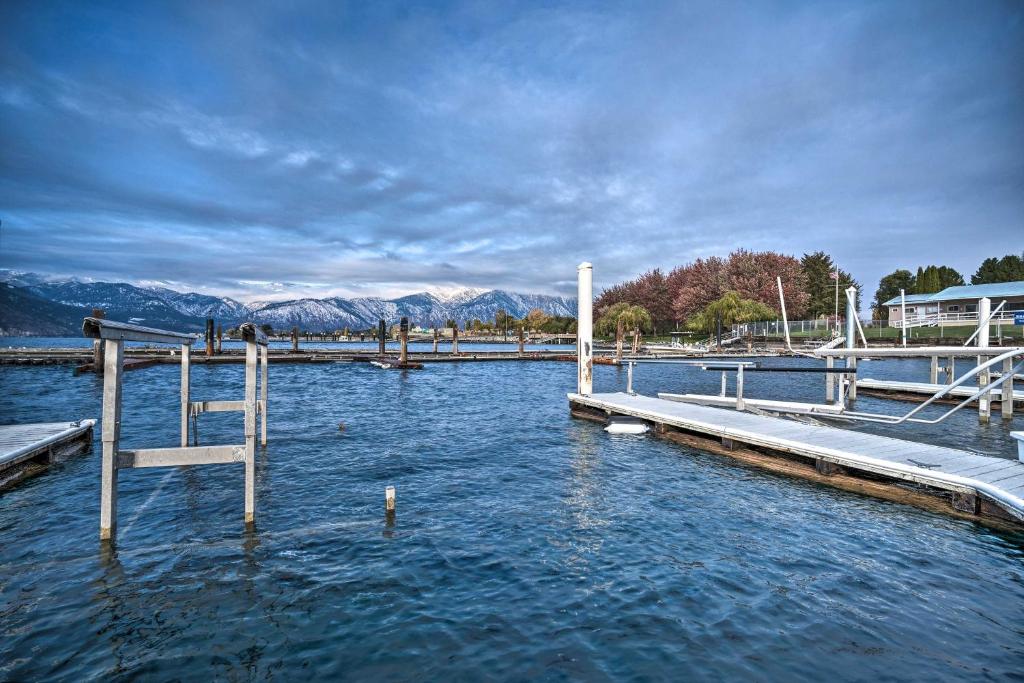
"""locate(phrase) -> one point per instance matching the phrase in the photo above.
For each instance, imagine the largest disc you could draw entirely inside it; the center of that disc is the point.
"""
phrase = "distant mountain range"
(32, 305)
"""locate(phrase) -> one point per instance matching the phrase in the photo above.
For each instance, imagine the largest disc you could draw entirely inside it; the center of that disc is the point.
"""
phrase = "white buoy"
(627, 425)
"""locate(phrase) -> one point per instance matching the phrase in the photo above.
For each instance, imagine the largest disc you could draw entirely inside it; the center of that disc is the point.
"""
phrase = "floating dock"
(28, 448)
(978, 486)
(915, 390)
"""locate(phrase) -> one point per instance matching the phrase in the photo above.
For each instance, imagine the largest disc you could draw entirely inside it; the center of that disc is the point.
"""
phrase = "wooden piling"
(220, 337)
(455, 339)
(209, 337)
(522, 341)
(111, 436)
(619, 334)
(435, 340)
(403, 349)
(295, 340)
(97, 344)
(381, 336)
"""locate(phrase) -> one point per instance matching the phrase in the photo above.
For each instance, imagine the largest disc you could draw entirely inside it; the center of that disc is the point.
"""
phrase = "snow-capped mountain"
(164, 307)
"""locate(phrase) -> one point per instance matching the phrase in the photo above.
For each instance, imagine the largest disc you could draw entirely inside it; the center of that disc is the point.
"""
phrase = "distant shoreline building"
(957, 305)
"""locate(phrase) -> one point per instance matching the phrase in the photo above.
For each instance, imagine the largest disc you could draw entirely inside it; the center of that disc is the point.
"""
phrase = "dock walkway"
(25, 443)
(1000, 480)
(925, 389)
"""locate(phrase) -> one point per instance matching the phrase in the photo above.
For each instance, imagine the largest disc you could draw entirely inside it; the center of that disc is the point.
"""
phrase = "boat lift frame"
(114, 334)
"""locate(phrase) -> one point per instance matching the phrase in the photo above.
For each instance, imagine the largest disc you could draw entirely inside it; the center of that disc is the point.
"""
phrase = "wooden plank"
(174, 457)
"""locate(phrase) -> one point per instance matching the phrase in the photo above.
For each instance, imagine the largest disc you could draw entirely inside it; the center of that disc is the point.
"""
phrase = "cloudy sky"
(379, 148)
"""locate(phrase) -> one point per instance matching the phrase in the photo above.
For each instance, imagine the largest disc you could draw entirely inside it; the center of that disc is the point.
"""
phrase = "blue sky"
(259, 149)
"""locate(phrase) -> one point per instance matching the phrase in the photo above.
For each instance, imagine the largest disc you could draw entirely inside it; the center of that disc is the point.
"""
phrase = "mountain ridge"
(158, 306)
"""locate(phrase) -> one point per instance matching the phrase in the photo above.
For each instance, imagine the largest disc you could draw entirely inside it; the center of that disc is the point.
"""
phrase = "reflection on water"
(531, 545)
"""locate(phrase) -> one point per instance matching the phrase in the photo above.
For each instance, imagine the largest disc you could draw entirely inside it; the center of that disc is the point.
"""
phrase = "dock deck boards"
(22, 442)
(928, 389)
(950, 469)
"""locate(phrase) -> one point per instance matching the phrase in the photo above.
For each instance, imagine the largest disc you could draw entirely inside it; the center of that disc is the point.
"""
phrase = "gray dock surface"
(998, 479)
(24, 442)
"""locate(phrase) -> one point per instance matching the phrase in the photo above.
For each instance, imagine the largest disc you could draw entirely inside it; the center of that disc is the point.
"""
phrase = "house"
(958, 305)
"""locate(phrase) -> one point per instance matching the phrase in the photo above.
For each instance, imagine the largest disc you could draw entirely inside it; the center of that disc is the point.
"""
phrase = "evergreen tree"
(1010, 268)
(819, 269)
(889, 287)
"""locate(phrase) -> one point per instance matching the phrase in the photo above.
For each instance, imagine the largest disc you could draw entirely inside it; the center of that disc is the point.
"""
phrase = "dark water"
(526, 545)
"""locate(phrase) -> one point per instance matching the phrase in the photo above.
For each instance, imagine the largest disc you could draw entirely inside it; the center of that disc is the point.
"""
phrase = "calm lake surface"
(526, 545)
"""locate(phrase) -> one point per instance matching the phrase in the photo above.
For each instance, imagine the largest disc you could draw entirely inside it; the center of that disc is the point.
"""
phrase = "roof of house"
(992, 291)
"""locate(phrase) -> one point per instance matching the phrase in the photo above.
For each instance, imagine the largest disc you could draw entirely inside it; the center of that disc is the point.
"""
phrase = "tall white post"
(186, 350)
(251, 359)
(984, 401)
(851, 337)
(785, 320)
(903, 317)
(585, 329)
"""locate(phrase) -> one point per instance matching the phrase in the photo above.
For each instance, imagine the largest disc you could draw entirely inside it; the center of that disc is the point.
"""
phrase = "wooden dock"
(978, 486)
(26, 449)
(916, 390)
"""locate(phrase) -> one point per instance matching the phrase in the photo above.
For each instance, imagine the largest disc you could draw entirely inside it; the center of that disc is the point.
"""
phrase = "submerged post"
(851, 337)
(985, 400)
(585, 329)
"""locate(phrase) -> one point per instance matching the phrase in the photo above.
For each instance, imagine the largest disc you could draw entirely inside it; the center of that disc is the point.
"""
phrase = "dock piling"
(111, 436)
(389, 499)
(381, 336)
(1006, 404)
(739, 387)
(585, 329)
(985, 400)
(522, 341)
(97, 344)
(220, 338)
(435, 340)
(209, 337)
(186, 361)
(455, 338)
(403, 351)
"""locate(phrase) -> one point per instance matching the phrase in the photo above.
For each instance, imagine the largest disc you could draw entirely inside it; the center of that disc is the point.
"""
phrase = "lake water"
(526, 545)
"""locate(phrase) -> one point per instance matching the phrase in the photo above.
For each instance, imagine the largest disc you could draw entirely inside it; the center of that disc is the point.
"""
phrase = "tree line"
(742, 285)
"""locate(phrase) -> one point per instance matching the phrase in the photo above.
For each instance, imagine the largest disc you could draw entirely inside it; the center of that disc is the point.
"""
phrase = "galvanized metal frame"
(113, 335)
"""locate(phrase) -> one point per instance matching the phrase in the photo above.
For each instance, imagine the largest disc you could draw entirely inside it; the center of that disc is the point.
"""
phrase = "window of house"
(955, 308)
(971, 308)
(910, 309)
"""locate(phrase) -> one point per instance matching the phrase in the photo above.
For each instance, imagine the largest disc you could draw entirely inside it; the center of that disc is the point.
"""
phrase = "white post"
(629, 377)
(851, 337)
(903, 316)
(725, 384)
(113, 366)
(739, 387)
(782, 303)
(186, 354)
(984, 401)
(389, 498)
(830, 363)
(1007, 398)
(585, 329)
(250, 432)
(264, 392)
